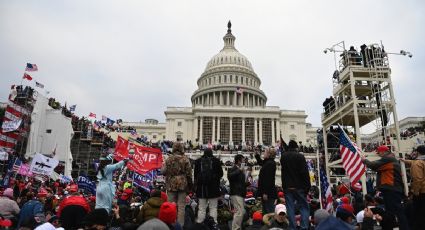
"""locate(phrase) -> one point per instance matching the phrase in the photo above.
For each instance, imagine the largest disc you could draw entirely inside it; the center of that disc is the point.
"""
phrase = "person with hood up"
(105, 190)
(150, 208)
(178, 178)
(9, 209)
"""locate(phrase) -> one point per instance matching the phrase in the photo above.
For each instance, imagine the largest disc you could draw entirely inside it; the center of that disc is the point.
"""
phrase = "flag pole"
(318, 177)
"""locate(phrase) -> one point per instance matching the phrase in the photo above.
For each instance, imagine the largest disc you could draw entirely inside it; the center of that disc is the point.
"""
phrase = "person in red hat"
(389, 182)
(168, 215)
(257, 221)
(73, 208)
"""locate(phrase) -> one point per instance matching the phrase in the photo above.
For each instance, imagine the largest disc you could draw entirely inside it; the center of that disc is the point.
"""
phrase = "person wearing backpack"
(417, 171)
(208, 173)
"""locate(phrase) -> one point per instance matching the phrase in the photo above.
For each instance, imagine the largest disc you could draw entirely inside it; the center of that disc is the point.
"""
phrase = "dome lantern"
(229, 39)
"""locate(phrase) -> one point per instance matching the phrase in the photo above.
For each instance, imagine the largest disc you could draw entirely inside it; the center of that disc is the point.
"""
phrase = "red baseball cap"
(382, 148)
(257, 216)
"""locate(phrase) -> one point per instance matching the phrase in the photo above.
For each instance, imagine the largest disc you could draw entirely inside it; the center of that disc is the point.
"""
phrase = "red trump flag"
(121, 149)
(145, 159)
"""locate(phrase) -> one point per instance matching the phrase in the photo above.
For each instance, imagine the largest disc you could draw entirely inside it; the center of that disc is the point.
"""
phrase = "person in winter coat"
(178, 178)
(208, 173)
(257, 221)
(32, 208)
(266, 181)
(73, 209)
(295, 184)
(150, 208)
(9, 209)
(279, 220)
(105, 190)
(417, 171)
(389, 182)
(236, 177)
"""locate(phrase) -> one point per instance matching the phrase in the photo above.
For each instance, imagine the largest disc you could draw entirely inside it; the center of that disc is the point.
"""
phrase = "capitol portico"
(229, 107)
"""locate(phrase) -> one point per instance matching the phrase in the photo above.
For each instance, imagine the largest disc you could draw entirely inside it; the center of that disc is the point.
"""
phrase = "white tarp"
(43, 165)
(50, 131)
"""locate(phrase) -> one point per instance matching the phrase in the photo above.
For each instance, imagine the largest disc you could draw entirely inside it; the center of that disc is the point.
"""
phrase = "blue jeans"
(300, 197)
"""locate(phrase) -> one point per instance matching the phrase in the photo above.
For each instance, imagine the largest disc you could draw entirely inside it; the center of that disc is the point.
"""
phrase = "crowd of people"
(194, 197)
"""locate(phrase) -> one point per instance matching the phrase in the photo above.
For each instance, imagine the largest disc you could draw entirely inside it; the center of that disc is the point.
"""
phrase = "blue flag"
(86, 184)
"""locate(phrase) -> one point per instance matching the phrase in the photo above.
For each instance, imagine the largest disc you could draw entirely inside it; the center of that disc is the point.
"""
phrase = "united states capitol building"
(229, 108)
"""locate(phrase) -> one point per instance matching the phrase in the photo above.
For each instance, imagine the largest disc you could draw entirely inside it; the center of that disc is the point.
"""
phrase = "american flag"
(39, 85)
(92, 115)
(133, 133)
(351, 160)
(326, 191)
(31, 67)
(17, 165)
(239, 90)
(72, 108)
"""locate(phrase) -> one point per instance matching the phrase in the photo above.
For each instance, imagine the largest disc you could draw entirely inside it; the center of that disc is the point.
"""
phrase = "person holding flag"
(105, 190)
(389, 182)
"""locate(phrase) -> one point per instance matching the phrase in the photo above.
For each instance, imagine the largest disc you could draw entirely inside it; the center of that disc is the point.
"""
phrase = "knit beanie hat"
(8, 193)
(168, 212)
(153, 224)
(257, 216)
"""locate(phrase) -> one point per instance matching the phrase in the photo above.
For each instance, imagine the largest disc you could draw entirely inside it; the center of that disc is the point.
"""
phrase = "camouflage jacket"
(178, 173)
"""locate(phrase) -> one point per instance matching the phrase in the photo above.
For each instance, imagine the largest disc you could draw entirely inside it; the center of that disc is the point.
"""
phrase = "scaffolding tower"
(362, 94)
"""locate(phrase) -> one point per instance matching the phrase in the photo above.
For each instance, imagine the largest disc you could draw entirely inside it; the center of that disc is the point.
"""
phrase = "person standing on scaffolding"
(389, 182)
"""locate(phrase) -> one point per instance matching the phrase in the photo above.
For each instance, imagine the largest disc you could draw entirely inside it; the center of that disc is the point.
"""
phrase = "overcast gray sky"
(132, 59)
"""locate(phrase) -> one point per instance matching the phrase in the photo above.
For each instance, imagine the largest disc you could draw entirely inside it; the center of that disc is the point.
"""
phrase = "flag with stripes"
(72, 108)
(325, 190)
(27, 76)
(39, 85)
(31, 67)
(92, 115)
(351, 159)
(239, 90)
(17, 165)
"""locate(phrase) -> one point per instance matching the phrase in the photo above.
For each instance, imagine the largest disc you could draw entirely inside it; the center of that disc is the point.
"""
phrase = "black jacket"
(212, 189)
(294, 171)
(237, 183)
(266, 179)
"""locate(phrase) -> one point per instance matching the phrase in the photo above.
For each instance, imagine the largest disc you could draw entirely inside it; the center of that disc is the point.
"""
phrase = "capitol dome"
(229, 79)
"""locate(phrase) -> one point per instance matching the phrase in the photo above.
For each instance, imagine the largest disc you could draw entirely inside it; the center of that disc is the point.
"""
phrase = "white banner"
(9, 126)
(43, 165)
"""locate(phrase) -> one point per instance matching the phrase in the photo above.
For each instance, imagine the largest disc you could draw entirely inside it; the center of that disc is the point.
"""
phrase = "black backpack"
(207, 173)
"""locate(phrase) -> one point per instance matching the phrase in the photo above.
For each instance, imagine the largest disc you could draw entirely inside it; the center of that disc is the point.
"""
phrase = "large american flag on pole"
(351, 160)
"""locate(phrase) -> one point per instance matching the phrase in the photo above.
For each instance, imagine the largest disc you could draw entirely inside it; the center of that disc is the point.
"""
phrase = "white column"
(261, 131)
(234, 98)
(258, 101)
(228, 98)
(241, 99)
(231, 131)
(255, 131)
(213, 131)
(218, 128)
(273, 135)
(200, 131)
(243, 129)
(278, 128)
(208, 98)
(195, 129)
(221, 97)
